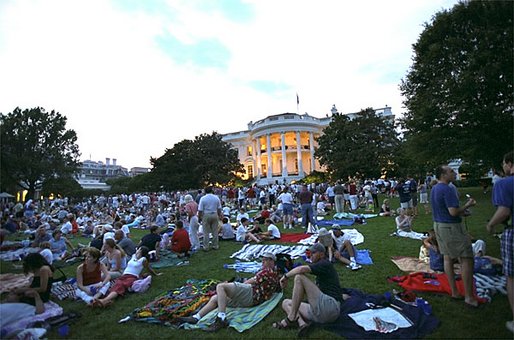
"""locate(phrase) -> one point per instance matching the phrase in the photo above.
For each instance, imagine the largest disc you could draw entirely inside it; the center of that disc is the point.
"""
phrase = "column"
(268, 151)
(284, 156)
(299, 153)
(259, 162)
(254, 161)
(311, 144)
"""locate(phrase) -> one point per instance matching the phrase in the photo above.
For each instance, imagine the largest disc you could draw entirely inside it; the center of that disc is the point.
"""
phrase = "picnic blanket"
(411, 264)
(169, 259)
(355, 237)
(17, 254)
(292, 237)
(487, 286)
(410, 234)
(244, 267)
(363, 257)
(179, 302)
(353, 216)
(250, 252)
(10, 281)
(431, 282)
(346, 326)
(330, 223)
(51, 309)
(240, 318)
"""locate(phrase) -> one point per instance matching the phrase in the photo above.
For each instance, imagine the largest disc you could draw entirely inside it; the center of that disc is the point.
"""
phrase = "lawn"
(457, 321)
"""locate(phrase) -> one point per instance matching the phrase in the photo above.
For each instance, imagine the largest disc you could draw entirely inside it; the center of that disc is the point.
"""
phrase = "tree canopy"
(459, 88)
(35, 146)
(362, 147)
(206, 160)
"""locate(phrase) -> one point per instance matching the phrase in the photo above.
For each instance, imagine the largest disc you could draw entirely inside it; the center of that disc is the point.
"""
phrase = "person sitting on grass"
(116, 258)
(323, 298)
(251, 292)
(139, 262)
(385, 210)
(152, 241)
(180, 243)
(242, 233)
(403, 221)
(344, 250)
(272, 233)
(226, 231)
(92, 277)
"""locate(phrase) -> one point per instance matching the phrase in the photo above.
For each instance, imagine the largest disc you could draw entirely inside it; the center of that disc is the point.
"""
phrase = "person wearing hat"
(344, 251)
(251, 292)
(324, 297)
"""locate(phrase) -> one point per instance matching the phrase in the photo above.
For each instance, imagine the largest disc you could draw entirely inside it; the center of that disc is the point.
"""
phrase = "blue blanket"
(329, 223)
(363, 257)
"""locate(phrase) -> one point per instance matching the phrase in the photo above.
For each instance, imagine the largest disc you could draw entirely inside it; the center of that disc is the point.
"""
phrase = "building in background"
(93, 175)
(280, 148)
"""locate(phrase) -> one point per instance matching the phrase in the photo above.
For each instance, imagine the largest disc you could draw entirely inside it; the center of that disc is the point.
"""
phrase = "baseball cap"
(269, 256)
(317, 248)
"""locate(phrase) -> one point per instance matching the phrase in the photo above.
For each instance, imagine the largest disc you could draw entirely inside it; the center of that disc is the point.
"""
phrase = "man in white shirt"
(209, 213)
(344, 249)
(272, 233)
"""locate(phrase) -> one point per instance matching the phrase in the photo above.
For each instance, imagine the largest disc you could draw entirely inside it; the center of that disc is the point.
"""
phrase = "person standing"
(305, 197)
(503, 196)
(210, 213)
(339, 197)
(452, 236)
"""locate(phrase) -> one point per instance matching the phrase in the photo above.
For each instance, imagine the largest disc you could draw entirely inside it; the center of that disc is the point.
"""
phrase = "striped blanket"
(240, 319)
(250, 252)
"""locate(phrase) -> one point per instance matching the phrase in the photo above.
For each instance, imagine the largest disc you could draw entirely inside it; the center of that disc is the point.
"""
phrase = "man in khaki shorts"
(452, 236)
(324, 297)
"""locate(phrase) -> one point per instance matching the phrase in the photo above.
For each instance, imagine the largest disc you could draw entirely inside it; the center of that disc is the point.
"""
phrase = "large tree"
(459, 88)
(362, 147)
(35, 146)
(206, 160)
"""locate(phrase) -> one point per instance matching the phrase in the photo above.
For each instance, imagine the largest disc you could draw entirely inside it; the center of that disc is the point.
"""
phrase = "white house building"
(281, 147)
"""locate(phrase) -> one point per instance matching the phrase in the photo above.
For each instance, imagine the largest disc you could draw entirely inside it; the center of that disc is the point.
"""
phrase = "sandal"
(304, 330)
(285, 324)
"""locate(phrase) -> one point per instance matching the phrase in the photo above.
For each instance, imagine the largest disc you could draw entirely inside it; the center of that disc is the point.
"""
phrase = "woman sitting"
(58, 245)
(116, 258)
(41, 283)
(90, 284)
(180, 243)
(403, 221)
(385, 210)
(139, 261)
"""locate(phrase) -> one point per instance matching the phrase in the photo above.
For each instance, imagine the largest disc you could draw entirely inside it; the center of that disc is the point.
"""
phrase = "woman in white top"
(403, 221)
(139, 261)
(116, 258)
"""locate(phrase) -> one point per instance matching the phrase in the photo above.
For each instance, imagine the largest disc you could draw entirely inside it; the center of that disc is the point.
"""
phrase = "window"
(249, 171)
(249, 151)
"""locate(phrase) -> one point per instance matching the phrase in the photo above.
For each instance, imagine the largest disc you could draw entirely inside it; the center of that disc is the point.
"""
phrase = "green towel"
(240, 318)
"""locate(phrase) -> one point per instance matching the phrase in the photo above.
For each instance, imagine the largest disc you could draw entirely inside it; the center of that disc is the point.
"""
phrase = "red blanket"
(292, 237)
(431, 282)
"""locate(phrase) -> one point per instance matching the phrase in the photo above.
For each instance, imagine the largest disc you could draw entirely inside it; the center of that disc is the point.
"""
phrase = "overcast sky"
(134, 77)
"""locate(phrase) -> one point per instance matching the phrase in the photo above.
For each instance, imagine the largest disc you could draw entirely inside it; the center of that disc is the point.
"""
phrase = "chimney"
(114, 162)
(107, 161)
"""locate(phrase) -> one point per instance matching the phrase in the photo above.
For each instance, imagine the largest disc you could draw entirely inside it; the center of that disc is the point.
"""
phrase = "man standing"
(452, 236)
(209, 211)
(305, 197)
(339, 197)
(252, 292)
(323, 297)
(503, 196)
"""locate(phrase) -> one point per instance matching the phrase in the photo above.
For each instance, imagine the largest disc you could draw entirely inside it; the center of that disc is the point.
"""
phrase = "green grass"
(457, 321)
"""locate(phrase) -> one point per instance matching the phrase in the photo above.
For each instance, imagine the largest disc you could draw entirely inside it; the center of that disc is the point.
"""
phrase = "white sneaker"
(510, 326)
(354, 266)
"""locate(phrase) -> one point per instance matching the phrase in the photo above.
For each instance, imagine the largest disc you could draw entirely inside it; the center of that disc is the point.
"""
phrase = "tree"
(362, 147)
(459, 89)
(206, 160)
(36, 146)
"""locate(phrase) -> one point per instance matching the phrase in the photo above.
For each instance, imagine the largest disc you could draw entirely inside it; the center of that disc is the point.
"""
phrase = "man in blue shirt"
(452, 236)
(503, 196)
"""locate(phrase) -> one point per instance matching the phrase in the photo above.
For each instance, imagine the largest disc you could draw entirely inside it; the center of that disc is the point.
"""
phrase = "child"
(243, 235)
(226, 231)
(180, 242)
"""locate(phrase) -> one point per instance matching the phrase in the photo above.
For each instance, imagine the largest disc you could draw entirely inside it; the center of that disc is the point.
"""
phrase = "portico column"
(259, 165)
(254, 162)
(284, 156)
(311, 144)
(268, 151)
(299, 153)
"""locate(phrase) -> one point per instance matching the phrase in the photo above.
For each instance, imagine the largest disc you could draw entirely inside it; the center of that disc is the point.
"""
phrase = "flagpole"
(297, 104)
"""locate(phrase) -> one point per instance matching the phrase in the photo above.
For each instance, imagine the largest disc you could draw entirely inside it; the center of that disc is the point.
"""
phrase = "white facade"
(281, 147)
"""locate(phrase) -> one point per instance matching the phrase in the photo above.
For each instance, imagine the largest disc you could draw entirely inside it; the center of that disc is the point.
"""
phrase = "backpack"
(284, 263)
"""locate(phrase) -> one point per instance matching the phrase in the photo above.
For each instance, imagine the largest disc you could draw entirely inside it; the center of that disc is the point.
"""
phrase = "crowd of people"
(197, 220)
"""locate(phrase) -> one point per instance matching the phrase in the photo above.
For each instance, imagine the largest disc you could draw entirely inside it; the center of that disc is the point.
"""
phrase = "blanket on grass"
(183, 301)
(411, 264)
(10, 281)
(409, 234)
(241, 319)
(250, 252)
(353, 216)
(292, 237)
(244, 267)
(355, 237)
(363, 257)
(346, 326)
(169, 259)
(51, 309)
(17, 254)
(330, 223)
(432, 282)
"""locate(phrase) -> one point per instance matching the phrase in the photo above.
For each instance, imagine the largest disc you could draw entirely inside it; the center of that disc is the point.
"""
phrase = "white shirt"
(240, 233)
(209, 204)
(286, 197)
(66, 228)
(275, 232)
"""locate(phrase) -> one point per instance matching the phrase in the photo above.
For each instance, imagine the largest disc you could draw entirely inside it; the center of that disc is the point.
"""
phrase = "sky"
(135, 77)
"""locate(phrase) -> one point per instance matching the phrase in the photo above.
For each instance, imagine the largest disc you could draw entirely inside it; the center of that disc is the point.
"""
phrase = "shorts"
(331, 199)
(243, 296)
(423, 198)
(406, 205)
(453, 240)
(326, 309)
(346, 254)
(507, 251)
(287, 208)
(123, 283)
